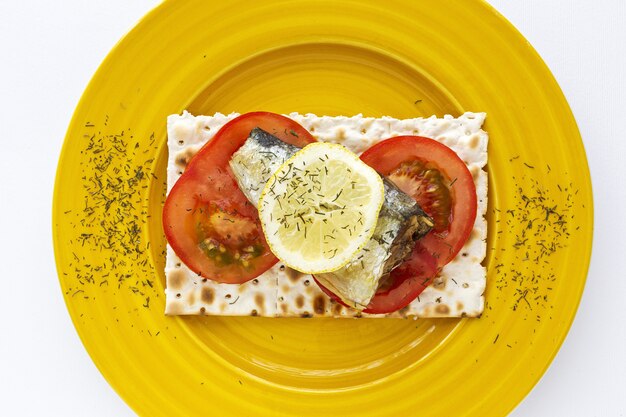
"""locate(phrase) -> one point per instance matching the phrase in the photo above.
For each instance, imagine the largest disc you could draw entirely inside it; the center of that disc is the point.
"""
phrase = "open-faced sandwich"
(319, 216)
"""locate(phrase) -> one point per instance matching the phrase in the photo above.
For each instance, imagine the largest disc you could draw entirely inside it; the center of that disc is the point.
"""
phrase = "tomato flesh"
(208, 221)
(405, 159)
(404, 284)
(425, 183)
(227, 237)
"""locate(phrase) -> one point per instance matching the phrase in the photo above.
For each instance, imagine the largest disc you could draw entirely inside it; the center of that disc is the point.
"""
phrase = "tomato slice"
(208, 221)
(423, 168)
(402, 286)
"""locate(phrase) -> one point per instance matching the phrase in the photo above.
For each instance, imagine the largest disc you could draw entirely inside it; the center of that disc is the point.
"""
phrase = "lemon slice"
(320, 208)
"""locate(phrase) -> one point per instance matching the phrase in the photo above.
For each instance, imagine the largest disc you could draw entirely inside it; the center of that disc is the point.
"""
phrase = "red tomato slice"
(404, 284)
(208, 221)
(423, 167)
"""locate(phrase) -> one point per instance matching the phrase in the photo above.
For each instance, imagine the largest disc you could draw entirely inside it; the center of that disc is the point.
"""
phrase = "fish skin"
(401, 221)
(252, 171)
(415, 222)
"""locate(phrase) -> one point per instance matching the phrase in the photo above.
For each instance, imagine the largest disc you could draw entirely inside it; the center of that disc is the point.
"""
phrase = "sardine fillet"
(400, 223)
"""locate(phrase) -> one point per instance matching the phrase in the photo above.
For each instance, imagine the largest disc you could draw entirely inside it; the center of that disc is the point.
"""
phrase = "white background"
(49, 51)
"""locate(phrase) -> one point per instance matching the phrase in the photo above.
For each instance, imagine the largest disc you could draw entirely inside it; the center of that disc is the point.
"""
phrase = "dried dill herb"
(116, 177)
(545, 230)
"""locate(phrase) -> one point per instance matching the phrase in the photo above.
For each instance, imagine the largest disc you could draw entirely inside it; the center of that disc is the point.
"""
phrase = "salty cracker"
(456, 292)
(187, 293)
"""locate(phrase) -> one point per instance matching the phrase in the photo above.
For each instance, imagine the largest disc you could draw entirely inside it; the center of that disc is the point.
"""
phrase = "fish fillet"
(401, 220)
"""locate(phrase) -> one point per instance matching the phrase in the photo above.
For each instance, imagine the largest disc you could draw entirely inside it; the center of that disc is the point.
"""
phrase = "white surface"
(49, 52)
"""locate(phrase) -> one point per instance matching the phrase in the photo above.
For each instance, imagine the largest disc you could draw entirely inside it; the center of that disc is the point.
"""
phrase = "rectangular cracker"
(280, 292)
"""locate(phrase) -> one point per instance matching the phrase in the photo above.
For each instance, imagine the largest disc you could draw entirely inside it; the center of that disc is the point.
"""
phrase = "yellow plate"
(398, 58)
